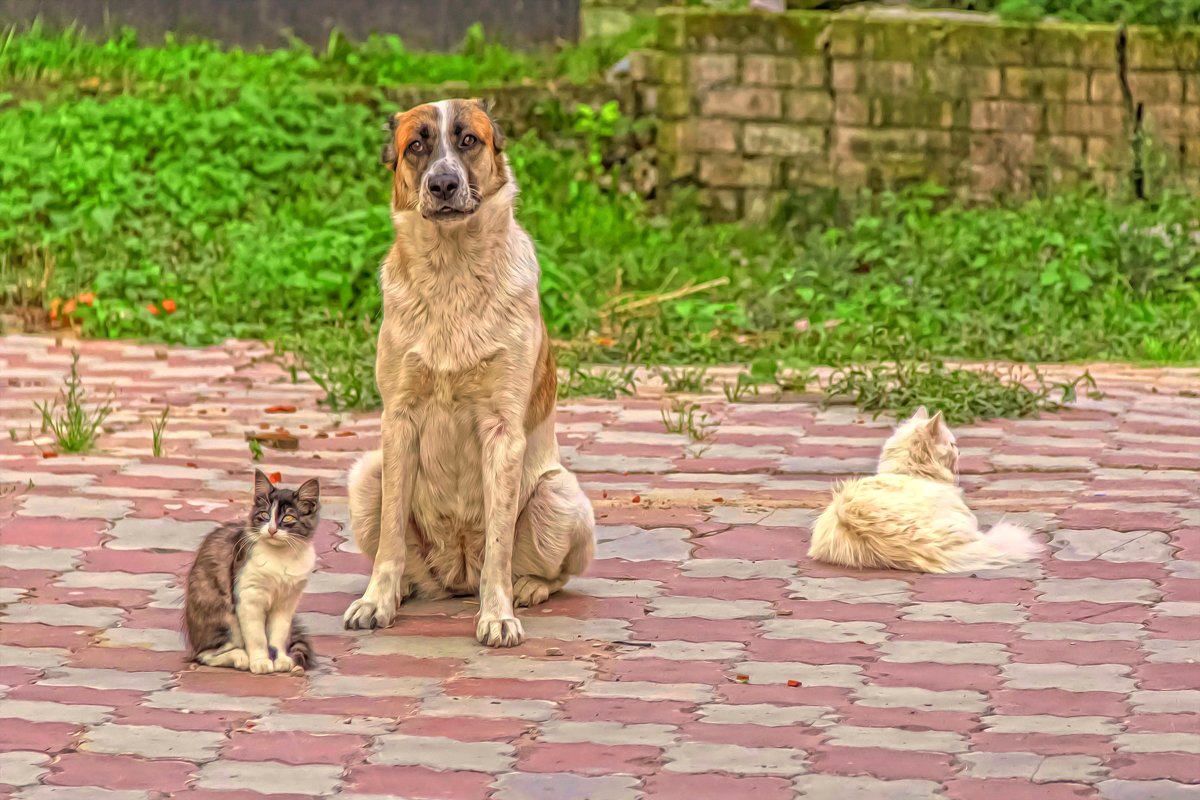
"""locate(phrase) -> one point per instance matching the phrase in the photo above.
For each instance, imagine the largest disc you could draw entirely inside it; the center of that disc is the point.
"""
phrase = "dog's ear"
(388, 155)
(498, 137)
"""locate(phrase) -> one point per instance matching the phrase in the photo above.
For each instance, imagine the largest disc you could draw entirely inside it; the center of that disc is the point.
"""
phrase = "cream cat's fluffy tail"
(1002, 546)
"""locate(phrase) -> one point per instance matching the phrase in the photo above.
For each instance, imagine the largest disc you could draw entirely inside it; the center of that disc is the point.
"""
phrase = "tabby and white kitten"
(911, 515)
(247, 579)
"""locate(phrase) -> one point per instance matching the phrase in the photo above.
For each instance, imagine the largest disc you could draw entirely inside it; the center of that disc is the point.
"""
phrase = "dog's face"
(447, 158)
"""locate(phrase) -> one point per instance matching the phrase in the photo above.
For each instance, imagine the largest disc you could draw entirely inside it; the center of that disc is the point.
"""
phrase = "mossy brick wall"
(755, 106)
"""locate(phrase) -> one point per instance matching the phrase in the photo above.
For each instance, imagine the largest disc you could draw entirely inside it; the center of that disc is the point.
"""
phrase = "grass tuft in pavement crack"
(68, 418)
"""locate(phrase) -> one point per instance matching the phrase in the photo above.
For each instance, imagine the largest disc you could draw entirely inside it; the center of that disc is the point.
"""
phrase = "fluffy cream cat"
(911, 515)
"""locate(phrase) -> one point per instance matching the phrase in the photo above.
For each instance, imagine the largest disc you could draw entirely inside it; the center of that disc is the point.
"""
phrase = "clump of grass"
(684, 380)
(962, 395)
(687, 417)
(75, 427)
(341, 360)
(738, 390)
(156, 432)
(608, 382)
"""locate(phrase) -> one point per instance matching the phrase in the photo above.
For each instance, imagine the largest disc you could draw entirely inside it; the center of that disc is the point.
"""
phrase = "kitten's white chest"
(276, 570)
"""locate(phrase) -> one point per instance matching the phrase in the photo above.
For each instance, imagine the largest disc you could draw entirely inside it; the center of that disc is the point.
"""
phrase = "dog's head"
(447, 158)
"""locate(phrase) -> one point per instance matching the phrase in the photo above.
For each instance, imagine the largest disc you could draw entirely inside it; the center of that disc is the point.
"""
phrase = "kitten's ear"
(262, 485)
(921, 414)
(309, 492)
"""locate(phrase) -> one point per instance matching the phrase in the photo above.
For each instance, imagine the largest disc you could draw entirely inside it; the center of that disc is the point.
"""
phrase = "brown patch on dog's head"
(447, 159)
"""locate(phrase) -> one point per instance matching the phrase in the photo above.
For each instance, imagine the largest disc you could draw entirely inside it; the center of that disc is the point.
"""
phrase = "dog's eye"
(416, 147)
(288, 519)
(468, 141)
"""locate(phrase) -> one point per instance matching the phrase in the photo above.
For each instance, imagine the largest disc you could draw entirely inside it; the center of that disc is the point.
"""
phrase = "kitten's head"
(922, 446)
(284, 517)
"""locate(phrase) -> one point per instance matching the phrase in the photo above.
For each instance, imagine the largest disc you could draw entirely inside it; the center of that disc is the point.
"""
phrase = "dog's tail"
(299, 647)
(366, 501)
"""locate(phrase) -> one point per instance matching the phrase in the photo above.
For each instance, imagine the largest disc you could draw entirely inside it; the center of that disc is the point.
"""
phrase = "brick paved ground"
(1072, 678)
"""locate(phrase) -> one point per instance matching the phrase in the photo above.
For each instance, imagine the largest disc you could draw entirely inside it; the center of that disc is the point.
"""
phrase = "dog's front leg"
(503, 445)
(377, 607)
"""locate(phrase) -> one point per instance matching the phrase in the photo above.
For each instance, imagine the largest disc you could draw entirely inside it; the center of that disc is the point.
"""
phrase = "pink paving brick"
(966, 789)
(417, 782)
(880, 763)
(291, 747)
(590, 759)
(674, 786)
(120, 772)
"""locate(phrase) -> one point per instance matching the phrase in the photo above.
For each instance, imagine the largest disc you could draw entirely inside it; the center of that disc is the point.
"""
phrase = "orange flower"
(68, 308)
(274, 477)
(153, 309)
(54, 304)
(168, 306)
(87, 298)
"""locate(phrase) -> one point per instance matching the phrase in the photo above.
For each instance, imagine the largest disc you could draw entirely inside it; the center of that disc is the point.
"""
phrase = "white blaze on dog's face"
(447, 158)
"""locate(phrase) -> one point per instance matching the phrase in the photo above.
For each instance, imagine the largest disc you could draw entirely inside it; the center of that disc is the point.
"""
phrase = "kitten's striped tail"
(299, 648)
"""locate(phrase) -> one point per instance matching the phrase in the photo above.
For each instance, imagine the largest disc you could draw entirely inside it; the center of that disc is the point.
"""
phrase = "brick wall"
(755, 106)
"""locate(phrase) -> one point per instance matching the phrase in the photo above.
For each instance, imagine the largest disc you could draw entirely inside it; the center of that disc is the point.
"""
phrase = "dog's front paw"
(261, 666)
(363, 614)
(499, 631)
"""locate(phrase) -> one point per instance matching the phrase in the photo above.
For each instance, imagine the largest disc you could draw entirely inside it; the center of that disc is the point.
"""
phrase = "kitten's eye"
(288, 519)
(262, 516)
(416, 147)
(468, 141)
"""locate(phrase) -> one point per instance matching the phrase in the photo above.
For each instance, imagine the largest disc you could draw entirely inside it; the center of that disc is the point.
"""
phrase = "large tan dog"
(467, 493)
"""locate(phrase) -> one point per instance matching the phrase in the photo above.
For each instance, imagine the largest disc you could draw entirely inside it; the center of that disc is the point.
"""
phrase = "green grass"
(1139, 12)
(249, 193)
(69, 418)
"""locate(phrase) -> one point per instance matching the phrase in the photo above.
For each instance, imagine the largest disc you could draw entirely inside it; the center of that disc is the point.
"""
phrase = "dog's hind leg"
(555, 538)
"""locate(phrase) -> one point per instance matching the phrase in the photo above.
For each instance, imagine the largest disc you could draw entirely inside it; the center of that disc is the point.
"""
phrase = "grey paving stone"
(1157, 742)
(709, 608)
(626, 465)
(1146, 701)
(688, 651)
(62, 614)
(270, 777)
(47, 711)
(1082, 631)
(33, 657)
(645, 690)
(488, 707)
(322, 685)
(170, 472)
(694, 757)
(823, 630)
(37, 505)
(1034, 767)
(1109, 545)
(1046, 723)
(421, 646)
(336, 582)
(608, 733)
(163, 533)
(762, 714)
(152, 741)
(927, 699)
(324, 723)
(896, 739)
(79, 793)
(1148, 790)
(739, 568)
(918, 652)
(115, 580)
(158, 639)
(107, 679)
(840, 787)
(517, 668)
(19, 556)
(1070, 677)
(851, 590)
(205, 701)
(1174, 651)
(22, 768)
(564, 786)
(658, 544)
(1097, 590)
(439, 752)
(569, 628)
(953, 611)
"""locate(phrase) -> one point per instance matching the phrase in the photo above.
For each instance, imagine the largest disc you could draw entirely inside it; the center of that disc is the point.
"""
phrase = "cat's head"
(283, 516)
(921, 446)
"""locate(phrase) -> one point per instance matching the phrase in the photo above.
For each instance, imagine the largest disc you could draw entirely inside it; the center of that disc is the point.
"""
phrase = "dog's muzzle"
(447, 196)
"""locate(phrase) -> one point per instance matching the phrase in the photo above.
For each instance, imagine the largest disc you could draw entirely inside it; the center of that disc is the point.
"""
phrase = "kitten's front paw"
(499, 631)
(283, 663)
(239, 660)
(261, 666)
(363, 614)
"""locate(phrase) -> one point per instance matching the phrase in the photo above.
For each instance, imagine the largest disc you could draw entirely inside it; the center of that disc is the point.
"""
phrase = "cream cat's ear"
(920, 415)
(938, 429)
(262, 484)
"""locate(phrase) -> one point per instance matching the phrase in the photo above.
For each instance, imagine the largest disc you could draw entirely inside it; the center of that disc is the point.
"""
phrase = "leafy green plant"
(68, 418)
(157, 428)
(256, 450)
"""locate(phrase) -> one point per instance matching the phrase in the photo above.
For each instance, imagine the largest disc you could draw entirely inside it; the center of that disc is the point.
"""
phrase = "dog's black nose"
(443, 186)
